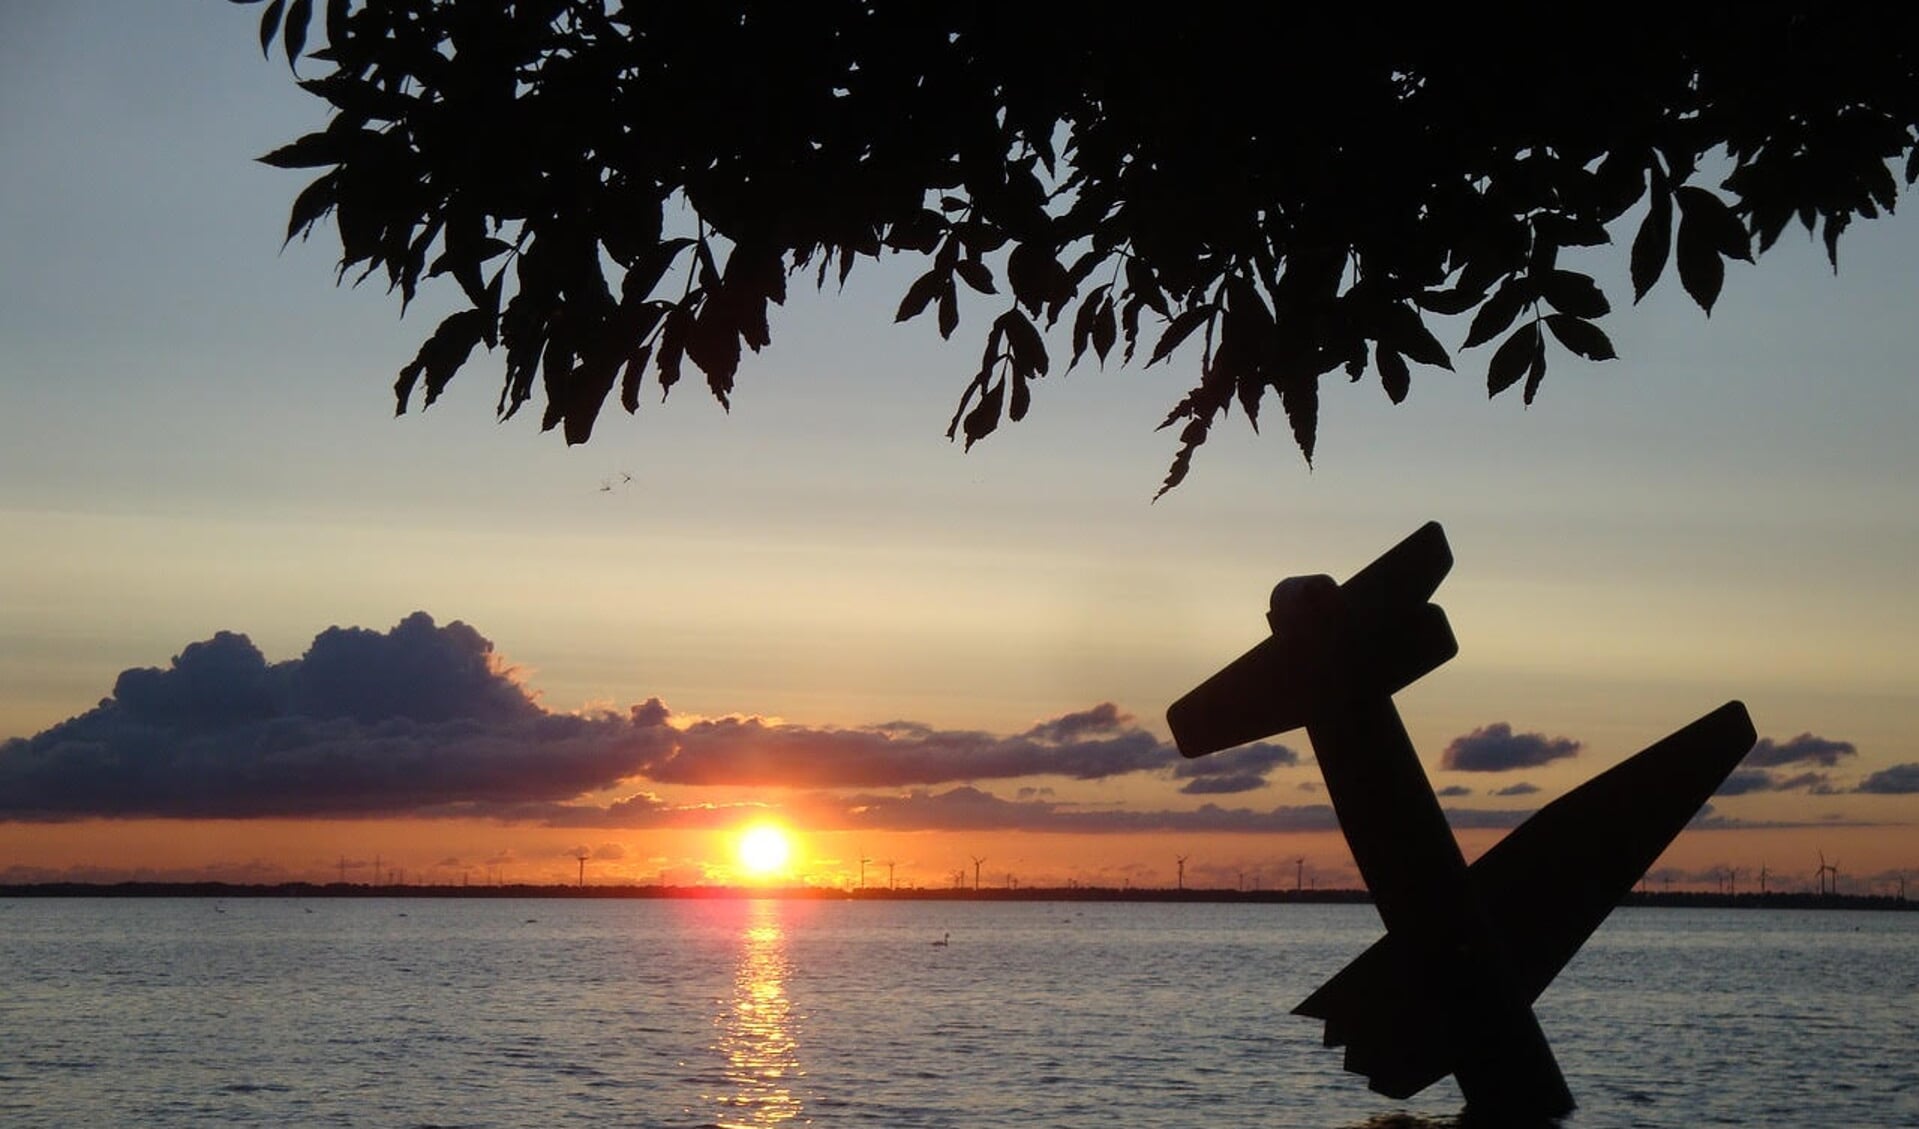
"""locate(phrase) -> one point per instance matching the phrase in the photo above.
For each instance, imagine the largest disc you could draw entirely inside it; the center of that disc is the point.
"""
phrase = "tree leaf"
(1581, 336)
(439, 357)
(1835, 224)
(949, 308)
(1499, 311)
(1513, 357)
(1083, 324)
(919, 233)
(1393, 374)
(1654, 242)
(270, 23)
(336, 22)
(976, 275)
(984, 418)
(1449, 302)
(925, 288)
(1408, 335)
(979, 237)
(632, 377)
(1189, 442)
(1181, 328)
(1029, 351)
(311, 151)
(1105, 331)
(1300, 399)
(1573, 293)
(295, 40)
(1535, 376)
(1713, 222)
(1571, 231)
(1035, 276)
(313, 202)
(1701, 271)
(1141, 283)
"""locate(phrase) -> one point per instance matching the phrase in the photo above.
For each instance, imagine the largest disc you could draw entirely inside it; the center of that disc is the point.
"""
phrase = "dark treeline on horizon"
(1670, 899)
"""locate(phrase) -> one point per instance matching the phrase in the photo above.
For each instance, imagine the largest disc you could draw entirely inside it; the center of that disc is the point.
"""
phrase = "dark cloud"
(364, 723)
(1803, 749)
(1067, 728)
(1899, 780)
(1093, 744)
(1520, 789)
(1496, 748)
(1744, 781)
(1236, 770)
(1452, 791)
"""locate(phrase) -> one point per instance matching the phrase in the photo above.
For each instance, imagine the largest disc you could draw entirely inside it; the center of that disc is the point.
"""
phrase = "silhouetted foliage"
(619, 189)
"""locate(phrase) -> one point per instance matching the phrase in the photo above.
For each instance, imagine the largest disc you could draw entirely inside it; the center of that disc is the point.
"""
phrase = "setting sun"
(764, 850)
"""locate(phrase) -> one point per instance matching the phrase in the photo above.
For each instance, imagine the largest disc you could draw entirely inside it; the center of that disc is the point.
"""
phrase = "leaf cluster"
(1295, 195)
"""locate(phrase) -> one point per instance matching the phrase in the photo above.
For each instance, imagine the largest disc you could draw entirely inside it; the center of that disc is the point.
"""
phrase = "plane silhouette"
(1449, 989)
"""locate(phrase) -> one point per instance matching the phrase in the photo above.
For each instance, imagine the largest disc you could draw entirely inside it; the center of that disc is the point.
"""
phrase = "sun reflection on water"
(758, 1036)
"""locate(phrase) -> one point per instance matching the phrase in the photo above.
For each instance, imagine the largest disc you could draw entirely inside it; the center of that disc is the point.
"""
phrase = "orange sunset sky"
(255, 628)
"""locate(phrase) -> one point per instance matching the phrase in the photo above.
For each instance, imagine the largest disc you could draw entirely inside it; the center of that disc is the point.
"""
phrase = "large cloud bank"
(364, 723)
(428, 720)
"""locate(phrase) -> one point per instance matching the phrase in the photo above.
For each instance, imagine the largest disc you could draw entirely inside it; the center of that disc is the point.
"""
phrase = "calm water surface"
(416, 1013)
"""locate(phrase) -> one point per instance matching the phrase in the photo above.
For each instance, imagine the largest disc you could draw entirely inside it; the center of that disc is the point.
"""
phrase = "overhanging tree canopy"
(1291, 196)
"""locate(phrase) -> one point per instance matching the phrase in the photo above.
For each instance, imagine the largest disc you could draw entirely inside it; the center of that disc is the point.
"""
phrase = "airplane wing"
(1545, 887)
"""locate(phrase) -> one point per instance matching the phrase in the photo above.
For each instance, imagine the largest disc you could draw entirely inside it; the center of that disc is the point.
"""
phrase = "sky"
(258, 628)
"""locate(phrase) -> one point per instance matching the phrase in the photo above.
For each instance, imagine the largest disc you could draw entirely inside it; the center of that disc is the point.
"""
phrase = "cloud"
(1236, 770)
(1451, 791)
(971, 809)
(1092, 744)
(1803, 749)
(1496, 748)
(1744, 781)
(1899, 780)
(1520, 789)
(363, 723)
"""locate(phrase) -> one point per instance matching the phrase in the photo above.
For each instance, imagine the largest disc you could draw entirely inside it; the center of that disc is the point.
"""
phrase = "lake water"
(414, 1013)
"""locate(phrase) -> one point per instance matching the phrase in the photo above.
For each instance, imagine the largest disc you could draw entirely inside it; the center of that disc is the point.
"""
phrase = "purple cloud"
(1803, 749)
(364, 723)
(1496, 748)
(1899, 780)
(1089, 745)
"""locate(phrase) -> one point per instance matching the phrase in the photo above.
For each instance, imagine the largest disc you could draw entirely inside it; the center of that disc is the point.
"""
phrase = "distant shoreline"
(1671, 899)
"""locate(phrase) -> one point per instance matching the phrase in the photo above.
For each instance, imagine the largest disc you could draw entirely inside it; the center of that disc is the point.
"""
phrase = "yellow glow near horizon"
(764, 850)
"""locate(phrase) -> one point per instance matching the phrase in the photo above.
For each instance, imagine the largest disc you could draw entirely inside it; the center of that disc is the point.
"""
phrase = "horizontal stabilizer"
(1373, 635)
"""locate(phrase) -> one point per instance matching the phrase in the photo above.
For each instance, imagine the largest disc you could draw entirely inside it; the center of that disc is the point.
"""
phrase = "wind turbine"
(1182, 871)
(978, 861)
(863, 861)
(1299, 874)
(889, 874)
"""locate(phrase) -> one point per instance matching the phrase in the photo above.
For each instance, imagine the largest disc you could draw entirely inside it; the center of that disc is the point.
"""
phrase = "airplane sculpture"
(1449, 989)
